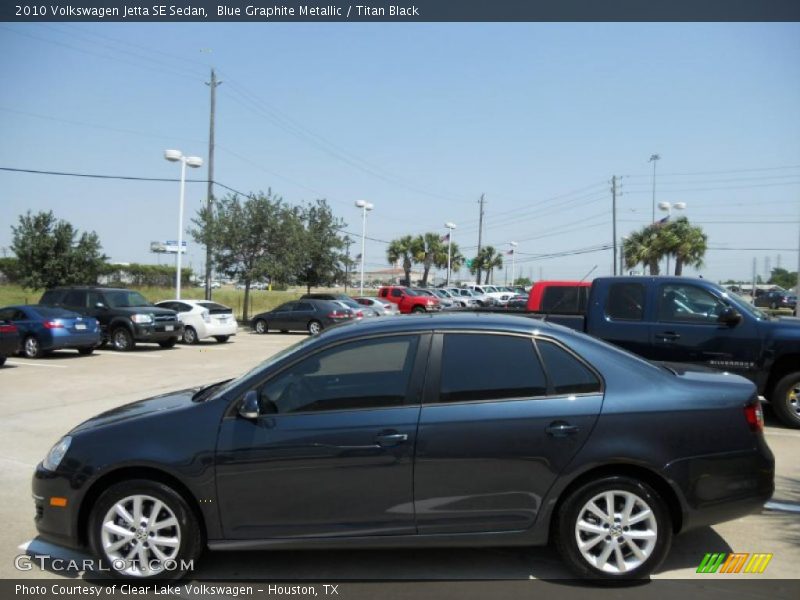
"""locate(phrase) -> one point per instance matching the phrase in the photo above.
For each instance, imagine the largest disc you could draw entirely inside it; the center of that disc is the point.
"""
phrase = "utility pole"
(753, 289)
(347, 264)
(210, 196)
(480, 238)
(614, 219)
(654, 158)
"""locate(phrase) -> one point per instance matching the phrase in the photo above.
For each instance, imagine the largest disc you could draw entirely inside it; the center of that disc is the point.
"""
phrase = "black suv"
(125, 316)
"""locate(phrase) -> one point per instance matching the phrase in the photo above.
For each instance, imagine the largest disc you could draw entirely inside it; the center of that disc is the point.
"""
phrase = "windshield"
(263, 365)
(743, 305)
(441, 293)
(125, 299)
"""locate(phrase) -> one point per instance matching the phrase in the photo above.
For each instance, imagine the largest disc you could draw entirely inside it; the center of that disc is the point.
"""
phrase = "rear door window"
(625, 302)
(479, 366)
(566, 373)
(76, 298)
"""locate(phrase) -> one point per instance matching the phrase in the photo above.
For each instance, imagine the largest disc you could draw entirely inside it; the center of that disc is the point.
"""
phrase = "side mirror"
(248, 407)
(729, 316)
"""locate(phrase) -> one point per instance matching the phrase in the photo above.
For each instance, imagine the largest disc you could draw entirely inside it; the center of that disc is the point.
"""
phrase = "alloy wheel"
(32, 349)
(793, 398)
(140, 535)
(616, 531)
(314, 327)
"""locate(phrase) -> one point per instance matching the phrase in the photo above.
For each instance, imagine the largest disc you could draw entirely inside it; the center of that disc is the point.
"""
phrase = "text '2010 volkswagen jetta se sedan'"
(431, 430)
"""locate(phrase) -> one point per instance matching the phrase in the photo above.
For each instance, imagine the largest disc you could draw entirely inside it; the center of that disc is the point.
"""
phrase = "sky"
(420, 120)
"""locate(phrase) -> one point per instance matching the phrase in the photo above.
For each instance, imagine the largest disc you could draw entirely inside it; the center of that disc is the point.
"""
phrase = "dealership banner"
(256, 11)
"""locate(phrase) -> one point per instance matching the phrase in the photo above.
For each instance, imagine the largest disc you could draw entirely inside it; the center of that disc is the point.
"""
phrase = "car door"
(302, 313)
(281, 317)
(496, 429)
(331, 453)
(687, 330)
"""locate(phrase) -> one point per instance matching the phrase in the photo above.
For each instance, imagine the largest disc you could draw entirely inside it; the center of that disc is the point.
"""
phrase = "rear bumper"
(215, 328)
(158, 332)
(71, 340)
(722, 487)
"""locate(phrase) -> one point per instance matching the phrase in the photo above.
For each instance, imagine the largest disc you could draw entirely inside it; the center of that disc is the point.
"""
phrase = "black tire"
(189, 335)
(170, 343)
(222, 338)
(31, 348)
(773, 306)
(574, 507)
(2, 360)
(417, 309)
(103, 343)
(86, 351)
(260, 326)
(187, 529)
(785, 399)
(122, 340)
(314, 327)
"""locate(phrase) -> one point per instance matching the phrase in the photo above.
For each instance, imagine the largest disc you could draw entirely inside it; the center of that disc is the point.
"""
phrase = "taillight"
(338, 314)
(755, 416)
(53, 325)
(8, 328)
(359, 315)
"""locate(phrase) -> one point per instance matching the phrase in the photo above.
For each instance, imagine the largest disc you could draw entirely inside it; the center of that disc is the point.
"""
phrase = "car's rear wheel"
(144, 529)
(122, 340)
(86, 351)
(2, 360)
(189, 335)
(613, 528)
(261, 326)
(222, 338)
(31, 347)
(785, 399)
(314, 327)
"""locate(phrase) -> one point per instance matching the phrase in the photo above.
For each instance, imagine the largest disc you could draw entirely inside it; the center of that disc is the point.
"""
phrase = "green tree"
(644, 247)
(321, 258)
(686, 242)
(783, 278)
(429, 251)
(402, 250)
(487, 260)
(523, 281)
(51, 252)
(252, 239)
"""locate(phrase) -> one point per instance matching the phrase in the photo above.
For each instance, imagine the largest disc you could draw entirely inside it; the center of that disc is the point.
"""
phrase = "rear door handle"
(561, 429)
(668, 336)
(390, 438)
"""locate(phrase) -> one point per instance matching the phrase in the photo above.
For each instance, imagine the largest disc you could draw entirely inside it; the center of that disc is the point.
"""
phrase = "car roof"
(489, 322)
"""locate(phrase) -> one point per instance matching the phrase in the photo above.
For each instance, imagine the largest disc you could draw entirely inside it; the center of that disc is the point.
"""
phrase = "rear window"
(213, 307)
(53, 312)
(567, 374)
(566, 299)
(50, 297)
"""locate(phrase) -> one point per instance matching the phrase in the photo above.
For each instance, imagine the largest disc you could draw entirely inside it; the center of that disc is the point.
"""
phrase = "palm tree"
(687, 243)
(644, 247)
(402, 249)
(487, 261)
(429, 251)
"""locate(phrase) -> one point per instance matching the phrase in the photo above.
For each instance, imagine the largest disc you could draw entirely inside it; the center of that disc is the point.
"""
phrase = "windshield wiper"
(202, 393)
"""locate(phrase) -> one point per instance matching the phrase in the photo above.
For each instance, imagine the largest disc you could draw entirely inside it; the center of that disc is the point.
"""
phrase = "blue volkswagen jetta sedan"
(437, 430)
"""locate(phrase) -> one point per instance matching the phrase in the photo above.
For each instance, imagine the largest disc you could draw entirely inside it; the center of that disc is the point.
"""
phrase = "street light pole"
(654, 158)
(364, 206)
(513, 261)
(194, 162)
(450, 226)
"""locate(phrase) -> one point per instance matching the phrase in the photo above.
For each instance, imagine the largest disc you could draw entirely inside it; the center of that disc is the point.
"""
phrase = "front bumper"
(57, 524)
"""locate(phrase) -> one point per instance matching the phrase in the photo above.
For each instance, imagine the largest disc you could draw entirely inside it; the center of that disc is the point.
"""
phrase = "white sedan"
(203, 319)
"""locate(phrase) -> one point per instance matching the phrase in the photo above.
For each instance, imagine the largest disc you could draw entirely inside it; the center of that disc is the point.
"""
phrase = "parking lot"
(40, 400)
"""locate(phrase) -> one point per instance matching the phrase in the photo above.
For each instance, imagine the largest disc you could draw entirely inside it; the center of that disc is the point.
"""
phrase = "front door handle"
(668, 336)
(561, 429)
(390, 438)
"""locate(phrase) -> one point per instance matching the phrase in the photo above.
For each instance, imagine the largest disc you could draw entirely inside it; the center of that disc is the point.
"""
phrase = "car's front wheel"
(261, 326)
(144, 529)
(613, 528)
(122, 340)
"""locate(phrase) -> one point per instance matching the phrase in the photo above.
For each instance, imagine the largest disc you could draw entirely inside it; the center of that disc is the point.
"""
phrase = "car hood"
(153, 310)
(140, 409)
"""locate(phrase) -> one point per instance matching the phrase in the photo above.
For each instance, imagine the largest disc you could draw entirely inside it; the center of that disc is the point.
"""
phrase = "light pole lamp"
(194, 162)
(450, 226)
(365, 207)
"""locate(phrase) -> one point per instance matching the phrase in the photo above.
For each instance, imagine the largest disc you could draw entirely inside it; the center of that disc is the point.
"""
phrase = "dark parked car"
(302, 315)
(461, 429)
(9, 340)
(43, 329)
(777, 299)
(125, 316)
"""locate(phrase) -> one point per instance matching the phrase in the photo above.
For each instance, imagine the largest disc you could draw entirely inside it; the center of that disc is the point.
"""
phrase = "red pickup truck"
(407, 300)
(565, 297)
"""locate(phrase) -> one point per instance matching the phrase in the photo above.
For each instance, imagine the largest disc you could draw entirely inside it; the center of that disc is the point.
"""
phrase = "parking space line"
(31, 364)
(125, 354)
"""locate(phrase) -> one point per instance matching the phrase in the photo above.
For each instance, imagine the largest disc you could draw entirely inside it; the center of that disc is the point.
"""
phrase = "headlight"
(142, 319)
(56, 454)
